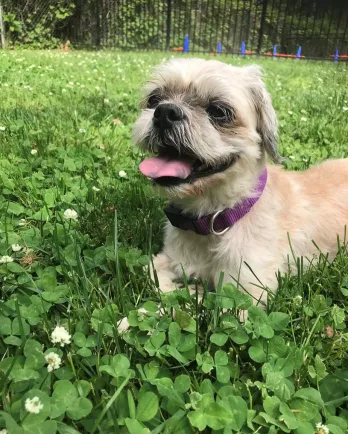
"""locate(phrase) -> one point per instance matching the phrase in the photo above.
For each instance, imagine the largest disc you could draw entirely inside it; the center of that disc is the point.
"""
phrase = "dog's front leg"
(165, 276)
(163, 266)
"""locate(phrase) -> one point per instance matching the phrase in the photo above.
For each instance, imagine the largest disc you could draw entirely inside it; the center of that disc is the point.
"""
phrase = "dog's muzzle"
(175, 163)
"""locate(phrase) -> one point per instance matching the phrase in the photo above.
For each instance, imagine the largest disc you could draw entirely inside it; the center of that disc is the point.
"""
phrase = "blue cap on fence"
(219, 48)
(275, 50)
(298, 54)
(186, 44)
(242, 49)
(336, 56)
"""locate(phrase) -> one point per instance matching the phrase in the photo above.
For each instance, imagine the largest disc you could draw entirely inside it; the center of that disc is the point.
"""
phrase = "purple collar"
(219, 222)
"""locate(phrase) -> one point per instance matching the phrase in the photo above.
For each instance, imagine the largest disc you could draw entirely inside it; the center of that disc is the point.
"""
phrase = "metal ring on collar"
(211, 226)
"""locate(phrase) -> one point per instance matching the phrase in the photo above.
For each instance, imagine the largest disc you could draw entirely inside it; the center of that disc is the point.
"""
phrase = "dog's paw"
(161, 262)
(166, 284)
(165, 280)
(196, 289)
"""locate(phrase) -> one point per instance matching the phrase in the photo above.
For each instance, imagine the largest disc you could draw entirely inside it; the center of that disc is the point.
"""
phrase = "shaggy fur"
(305, 206)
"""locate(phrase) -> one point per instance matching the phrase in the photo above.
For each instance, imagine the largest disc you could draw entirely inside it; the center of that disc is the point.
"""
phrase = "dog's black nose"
(167, 114)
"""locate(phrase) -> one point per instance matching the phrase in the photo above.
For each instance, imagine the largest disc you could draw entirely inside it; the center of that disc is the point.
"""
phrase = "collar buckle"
(211, 225)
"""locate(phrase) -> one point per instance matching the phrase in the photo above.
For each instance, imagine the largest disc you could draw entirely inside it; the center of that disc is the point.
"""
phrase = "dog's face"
(201, 119)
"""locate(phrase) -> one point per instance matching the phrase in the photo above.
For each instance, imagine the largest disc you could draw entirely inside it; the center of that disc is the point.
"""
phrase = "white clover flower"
(106, 101)
(53, 360)
(97, 88)
(303, 119)
(122, 174)
(160, 310)
(290, 112)
(82, 130)
(22, 222)
(123, 325)
(71, 83)
(60, 336)
(94, 188)
(5, 259)
(141, 313)
(33, 151)
(70, 214)
(2, 128)
(33, 405)
(3, 431)
(345, 109)
(322, 429)
(298, 300)
(16, 247)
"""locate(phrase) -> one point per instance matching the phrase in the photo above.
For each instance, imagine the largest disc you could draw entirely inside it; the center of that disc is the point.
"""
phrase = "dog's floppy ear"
(267, 125)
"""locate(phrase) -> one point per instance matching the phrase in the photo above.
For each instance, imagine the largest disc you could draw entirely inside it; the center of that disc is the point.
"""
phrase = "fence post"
(97, 13)
(3, 40)
(262, 25)
(169, 23)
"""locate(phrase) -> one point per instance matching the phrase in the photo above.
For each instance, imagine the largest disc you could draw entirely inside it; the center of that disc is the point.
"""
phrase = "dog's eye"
(153, 101)
(219, 113)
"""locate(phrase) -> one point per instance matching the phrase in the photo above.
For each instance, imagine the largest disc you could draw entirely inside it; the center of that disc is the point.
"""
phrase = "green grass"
(180, 367)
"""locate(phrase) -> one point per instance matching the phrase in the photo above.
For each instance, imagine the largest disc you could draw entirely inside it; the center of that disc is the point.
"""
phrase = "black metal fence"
(319, 27)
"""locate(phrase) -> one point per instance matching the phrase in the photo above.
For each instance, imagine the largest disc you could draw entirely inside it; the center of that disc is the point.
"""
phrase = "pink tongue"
(157, 167)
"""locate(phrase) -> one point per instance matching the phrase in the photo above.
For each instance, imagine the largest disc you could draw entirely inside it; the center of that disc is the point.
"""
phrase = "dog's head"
(202, 119)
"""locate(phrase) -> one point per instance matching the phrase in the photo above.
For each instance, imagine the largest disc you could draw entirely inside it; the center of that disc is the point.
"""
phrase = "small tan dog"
(210, 126)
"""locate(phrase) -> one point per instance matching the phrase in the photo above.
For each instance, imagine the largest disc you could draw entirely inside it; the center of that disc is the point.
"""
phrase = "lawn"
(77, 225)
